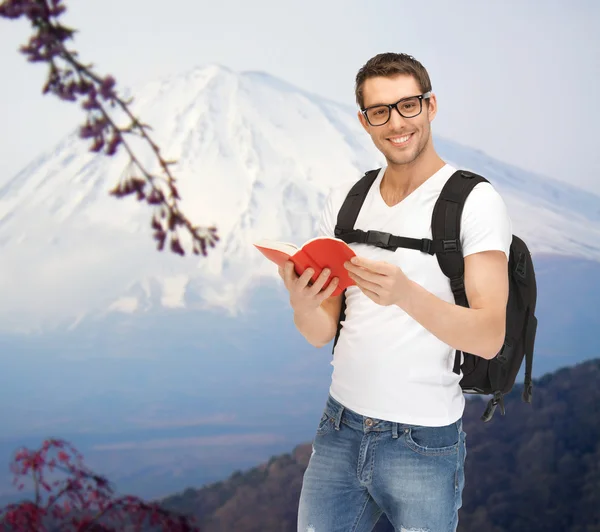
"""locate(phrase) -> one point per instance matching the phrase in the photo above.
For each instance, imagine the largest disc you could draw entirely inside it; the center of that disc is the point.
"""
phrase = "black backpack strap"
(531, 328)
(445, 227)
(348, 213)
(341, 318)
(391, 242)
(346, 219)
(355, 198)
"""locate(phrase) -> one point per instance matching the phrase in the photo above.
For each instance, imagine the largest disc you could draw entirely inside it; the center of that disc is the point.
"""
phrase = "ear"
(432, 107)
(363, 121)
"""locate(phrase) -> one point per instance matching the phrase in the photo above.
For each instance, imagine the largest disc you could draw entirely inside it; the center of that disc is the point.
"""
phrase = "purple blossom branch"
(74, 80)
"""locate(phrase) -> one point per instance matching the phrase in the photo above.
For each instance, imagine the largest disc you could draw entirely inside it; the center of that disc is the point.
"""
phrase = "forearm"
(477, 331)
(317, 326)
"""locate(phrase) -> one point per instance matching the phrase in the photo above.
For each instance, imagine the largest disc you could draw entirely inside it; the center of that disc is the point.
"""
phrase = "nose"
(396, 119)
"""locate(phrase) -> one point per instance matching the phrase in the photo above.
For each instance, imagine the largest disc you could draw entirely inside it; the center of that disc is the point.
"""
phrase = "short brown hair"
(391, 64)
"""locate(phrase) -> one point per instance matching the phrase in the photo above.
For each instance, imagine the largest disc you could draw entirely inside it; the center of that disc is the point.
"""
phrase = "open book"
(317, 253)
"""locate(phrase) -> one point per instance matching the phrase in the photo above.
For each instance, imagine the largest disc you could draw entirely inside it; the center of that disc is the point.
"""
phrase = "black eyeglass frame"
(392, 106)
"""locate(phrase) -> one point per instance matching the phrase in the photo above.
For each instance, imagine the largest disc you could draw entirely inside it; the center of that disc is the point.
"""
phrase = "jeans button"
(369, 422)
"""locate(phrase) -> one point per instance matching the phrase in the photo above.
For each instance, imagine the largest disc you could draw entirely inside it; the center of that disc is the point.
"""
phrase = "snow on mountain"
(256, 157)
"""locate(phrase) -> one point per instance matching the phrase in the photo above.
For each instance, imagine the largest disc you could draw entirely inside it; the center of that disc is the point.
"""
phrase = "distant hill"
(535, 470)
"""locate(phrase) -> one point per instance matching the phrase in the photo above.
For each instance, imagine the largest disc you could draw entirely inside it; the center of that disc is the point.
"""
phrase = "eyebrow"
(395, 101)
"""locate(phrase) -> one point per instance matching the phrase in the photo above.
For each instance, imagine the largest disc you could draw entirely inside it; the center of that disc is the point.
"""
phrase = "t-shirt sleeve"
(326, 225)
(485, 223)
(331, 208)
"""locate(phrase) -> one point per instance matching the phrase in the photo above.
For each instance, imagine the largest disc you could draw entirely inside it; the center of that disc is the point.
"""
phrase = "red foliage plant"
(76, 499)
(69, 80)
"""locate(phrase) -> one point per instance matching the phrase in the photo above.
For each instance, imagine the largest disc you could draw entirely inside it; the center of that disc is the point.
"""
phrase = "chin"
(400, 159)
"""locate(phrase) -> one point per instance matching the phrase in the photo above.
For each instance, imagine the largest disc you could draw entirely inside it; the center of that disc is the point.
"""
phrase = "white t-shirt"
(386, 365)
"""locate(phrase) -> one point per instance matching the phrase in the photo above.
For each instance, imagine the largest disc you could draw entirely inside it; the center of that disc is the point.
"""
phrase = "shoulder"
(333, 203)
(485, 222)
(485, 190)
(339, 192)
(485, 201)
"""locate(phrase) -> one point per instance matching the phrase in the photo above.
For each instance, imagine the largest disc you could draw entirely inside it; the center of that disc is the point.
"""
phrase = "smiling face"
(402, 140)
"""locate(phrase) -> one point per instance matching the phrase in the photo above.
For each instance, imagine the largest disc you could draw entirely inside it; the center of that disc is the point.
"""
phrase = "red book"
(318, 253)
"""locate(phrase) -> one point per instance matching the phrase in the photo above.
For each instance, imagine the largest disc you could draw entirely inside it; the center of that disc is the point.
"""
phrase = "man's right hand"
(305, 297)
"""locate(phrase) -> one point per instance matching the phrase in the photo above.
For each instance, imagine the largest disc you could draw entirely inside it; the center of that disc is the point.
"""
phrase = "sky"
(517, 79)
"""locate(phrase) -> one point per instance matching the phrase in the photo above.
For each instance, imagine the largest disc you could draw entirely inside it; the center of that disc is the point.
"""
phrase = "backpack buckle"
(378, 239)
(450, 245)
(498, 399)
(527, 392)
(503, 355)
(457, 285)
(521, 267)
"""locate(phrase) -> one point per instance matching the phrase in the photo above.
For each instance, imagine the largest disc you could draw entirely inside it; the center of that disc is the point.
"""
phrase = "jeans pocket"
(434, 441)
(325, 425)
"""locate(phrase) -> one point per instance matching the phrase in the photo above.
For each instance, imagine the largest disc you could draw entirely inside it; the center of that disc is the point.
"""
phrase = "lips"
(401, 140)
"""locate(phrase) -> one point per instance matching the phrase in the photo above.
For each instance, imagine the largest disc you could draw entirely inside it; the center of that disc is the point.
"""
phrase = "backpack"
(480, 376)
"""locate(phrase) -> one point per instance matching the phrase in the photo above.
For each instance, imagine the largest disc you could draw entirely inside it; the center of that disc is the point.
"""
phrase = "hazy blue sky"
(518, 79)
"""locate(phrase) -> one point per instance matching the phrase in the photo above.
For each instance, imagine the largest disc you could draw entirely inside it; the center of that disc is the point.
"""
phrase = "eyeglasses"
(410, 107)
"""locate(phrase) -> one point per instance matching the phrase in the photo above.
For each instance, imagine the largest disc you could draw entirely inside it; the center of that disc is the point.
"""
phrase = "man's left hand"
(380, 281)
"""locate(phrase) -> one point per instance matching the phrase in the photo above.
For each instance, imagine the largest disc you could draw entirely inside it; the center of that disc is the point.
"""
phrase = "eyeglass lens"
(381, 114)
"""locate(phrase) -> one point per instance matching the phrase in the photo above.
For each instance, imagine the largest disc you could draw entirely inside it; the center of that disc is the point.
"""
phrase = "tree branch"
(76, 80)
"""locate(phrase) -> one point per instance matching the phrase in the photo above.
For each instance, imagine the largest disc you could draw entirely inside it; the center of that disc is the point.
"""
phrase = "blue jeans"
(362, 467)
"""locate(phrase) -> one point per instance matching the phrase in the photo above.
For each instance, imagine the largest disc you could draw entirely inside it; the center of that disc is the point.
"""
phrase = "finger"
(303, 280)
(320, 282)
(367, 275)
(289, 275)
(374, 296)
(330, 289)
(373, 265)
(289, 271)
(365, 283)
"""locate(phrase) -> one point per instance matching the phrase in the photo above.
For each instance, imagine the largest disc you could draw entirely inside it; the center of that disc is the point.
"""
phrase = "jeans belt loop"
(394, 430)
(338, 418)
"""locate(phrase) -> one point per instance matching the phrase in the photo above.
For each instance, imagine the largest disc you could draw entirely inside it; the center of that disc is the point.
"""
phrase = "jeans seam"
(376, 440)
(456, 475)
(457, 464)
(359, 460)
(362, 511)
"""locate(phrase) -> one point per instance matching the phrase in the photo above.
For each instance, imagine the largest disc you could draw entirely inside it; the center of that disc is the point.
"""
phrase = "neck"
(404, 178)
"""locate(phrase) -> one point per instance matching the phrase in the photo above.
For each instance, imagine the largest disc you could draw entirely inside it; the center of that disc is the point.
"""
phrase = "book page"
(284, 247)
(318, 238)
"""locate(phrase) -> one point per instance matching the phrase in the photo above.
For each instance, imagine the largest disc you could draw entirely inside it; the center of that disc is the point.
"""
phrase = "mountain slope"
(535, 470)
(257, 158)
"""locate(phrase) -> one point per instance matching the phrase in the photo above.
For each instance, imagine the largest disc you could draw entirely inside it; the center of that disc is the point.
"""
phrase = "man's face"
(401, 139)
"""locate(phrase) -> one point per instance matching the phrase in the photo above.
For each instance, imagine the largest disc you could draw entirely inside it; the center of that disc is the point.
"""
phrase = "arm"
(486, 234)
(320, 325)
(316, 311)
(479, 329)
(318, 322)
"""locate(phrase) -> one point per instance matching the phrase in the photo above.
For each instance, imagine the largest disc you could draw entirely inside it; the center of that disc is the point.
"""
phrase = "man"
(391, 437)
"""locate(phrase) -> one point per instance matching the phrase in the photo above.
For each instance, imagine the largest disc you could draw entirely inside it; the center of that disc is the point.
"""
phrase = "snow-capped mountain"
(256, 157)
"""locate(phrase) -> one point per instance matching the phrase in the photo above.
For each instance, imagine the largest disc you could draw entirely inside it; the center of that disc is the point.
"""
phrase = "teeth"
(400, 140)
